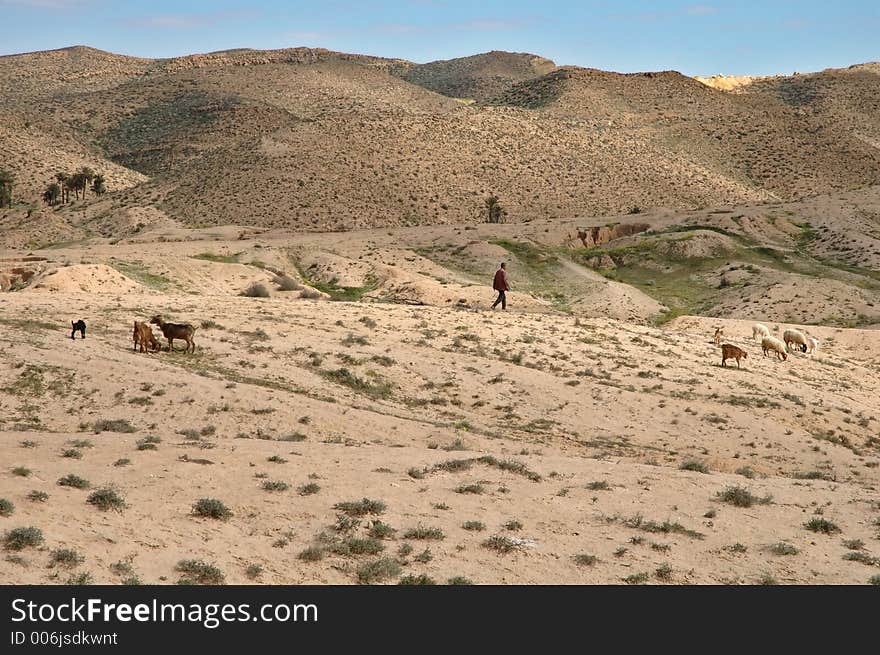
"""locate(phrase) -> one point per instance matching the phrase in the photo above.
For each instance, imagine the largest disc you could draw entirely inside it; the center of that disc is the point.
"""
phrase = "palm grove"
(59, 190)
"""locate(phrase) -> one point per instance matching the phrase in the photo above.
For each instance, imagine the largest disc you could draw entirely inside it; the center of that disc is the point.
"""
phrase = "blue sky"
(696, 38)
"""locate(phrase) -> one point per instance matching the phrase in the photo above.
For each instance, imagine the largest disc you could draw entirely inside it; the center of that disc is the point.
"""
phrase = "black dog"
(78, 325)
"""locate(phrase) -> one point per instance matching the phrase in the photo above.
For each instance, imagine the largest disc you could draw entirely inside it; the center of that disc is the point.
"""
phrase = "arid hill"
(479, 77)
(316, 140)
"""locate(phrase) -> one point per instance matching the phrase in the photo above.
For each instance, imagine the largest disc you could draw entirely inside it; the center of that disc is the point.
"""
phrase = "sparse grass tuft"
(211, 508)
(469, 489)
(500, 544)
(361, 507)
(459, 580)
(377, 571)
(21, 538)
(66, 557)
(585, 560)
(694, 465)
(7, 507)
(106, 499)
(741, 497)
(474, 526)
(308, 489)
(380, 530)
(38, 496)
(353, 546)
(422, 532)
(819, 524)
(198, 572)
(312, 554)
(113, 425)
(421, 579)
(782, 548)
(862, 557)
(74, 481)
(275, 485)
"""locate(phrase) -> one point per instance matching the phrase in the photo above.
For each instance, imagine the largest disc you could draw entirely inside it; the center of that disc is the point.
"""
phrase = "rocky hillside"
(479, 77)
(316, 140)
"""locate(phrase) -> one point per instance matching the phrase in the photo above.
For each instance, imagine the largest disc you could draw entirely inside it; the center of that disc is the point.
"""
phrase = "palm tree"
(7, 181)
(87, 175)
(98, 187)
(63, 179)
(495, 213)
(77, 182)
(52, 194)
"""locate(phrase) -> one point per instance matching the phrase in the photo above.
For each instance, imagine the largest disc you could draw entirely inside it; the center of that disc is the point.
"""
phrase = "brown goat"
(719, 332)
(172, 331)
(143, 336)
(729, 351)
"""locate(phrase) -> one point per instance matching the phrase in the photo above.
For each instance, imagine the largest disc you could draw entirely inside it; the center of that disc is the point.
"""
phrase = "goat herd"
(144, 338)
(791, 340)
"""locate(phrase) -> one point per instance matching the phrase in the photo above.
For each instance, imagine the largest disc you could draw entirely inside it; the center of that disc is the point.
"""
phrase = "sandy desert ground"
(380, 441)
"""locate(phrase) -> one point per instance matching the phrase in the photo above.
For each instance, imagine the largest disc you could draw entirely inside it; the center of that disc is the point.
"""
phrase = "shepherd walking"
(501, 286)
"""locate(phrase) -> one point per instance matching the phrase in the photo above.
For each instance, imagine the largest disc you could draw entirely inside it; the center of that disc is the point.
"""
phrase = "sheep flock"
(792, 341)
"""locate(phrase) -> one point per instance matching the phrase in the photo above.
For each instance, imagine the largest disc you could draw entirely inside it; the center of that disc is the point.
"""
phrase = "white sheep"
(759, 330)
(769, 343)
(812, 345)
(796, 337)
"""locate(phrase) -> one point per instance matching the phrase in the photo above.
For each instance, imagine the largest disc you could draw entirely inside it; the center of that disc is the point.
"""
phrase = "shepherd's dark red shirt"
(500, 283)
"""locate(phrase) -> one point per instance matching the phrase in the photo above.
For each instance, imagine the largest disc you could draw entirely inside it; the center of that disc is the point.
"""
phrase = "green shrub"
(65, 557)
(380, 530)
(459, 580)
(211, 508)
(585, 560)
(419, 580)
(106, 499)
(38, 496)
(198, 572)
(377, 571)
(501, 544)
(361, 507)
(741, 497)
(694, 465)
(74, 481)
(819, 524)
(309, 489)
(21, 538)
(423, 533)
(112, 425)
(312, 554)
